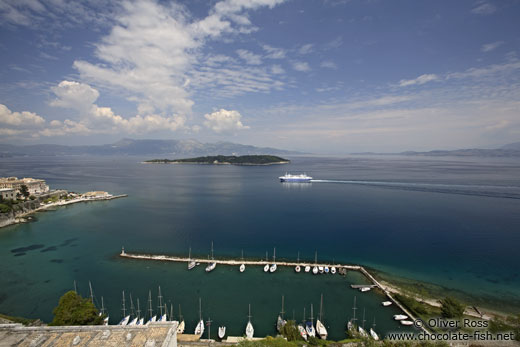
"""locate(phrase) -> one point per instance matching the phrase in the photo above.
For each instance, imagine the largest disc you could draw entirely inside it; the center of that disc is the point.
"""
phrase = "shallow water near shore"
(432, 230)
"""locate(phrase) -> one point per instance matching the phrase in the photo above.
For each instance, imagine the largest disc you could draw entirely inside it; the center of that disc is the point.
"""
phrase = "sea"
(450, 223)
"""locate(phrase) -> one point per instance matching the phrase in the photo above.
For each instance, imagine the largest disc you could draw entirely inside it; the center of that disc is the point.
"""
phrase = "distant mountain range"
(509, 150)
(170, 148)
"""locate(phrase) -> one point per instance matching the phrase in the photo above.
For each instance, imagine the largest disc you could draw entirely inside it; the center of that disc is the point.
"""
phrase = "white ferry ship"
(302, 178)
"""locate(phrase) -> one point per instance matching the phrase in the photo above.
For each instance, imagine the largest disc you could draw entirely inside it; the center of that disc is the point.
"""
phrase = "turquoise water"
(454, 224)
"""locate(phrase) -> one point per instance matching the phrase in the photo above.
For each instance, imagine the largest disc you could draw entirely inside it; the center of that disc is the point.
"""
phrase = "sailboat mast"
(363, 318)
(315, 257)
(249, 316)
(200, 309)
(321, 307)
(138, 310)
(171, 311)
(124, 307)
(312, 315)
(150, 303)
(189, 254)
(298, 257)
(212, 251)
(274, 255)
(242, 255)
(180, 314)
(91, 293)
(354, 311)
(102, 306)
(160, 301)
(282, 307)
(303, 315)
(132, 308)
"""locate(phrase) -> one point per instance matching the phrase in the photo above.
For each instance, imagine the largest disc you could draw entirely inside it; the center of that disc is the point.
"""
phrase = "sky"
(320, 76)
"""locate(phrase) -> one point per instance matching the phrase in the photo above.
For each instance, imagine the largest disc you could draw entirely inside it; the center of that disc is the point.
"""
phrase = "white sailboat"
(221, 332)
(320, 327)
(102, 312)
(273, 267)
(326, 269)
(333, 270)
(302, 332)
(309, 326)
(191, 263)
(182, 325)
(199, 329)
(249, 327)
(140, 320)
(307, 268)
(280, 322)
(242, 269)
(315, 268)
(320, 269)
(266, 267)
(162, 317)
(213, 264)
(372, 331)
(126, 318)
(132, 312)
(152, 317)
(351, 325)
(362, 328)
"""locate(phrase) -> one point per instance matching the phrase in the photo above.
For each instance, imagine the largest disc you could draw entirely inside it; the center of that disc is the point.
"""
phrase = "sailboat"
(298, 267)
(309, 326)
(102, 312)
(307, 268)
(273, 267)
(301, 329)
(351, 325)
(126, 318)
(242, 269)
(191, 263)
(152, 318)
(280, 321)
(249, 327)
(362, 328)
(132, 312)
(162, 317)
(199, 329)
(182, 325)
(221, 332)
(333, 268)
(320, 327)
(315, 268)
(211, 265)
(266, 267)
(372, 331)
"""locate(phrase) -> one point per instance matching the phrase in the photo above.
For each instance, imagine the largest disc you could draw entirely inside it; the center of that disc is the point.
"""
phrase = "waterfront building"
(96, 195)
(34, 186)
(8, 193)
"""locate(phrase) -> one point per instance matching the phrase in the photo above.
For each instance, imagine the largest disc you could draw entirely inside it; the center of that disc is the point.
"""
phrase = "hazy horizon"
(331, 76)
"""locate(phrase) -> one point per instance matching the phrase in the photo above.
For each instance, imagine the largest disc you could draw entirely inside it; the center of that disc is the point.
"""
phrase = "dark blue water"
(444, 221)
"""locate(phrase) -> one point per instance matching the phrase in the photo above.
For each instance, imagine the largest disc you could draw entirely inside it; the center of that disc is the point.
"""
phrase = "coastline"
(20, 218)
(219, 163)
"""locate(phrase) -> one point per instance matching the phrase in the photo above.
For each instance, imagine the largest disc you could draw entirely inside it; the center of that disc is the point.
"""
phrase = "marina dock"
(238, 262)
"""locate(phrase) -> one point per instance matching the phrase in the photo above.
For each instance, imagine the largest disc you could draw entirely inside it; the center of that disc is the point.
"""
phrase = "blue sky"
(324, 76)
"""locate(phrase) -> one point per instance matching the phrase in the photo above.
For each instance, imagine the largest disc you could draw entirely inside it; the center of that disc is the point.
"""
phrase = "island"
(225, 160)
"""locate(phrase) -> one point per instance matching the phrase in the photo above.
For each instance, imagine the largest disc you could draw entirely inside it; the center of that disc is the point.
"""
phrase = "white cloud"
(249, 57)
(328, 64)
(486, 71)
(419, 80)
(488, 47)
(306, 49)
(300, 66)
(277, 69)
(94, 119)
(19, 119)
(274, 52)
(224, 121)
(483, 8)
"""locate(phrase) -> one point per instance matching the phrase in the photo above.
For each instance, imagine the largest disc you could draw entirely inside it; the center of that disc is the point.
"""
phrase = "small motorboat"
(364, 289)
(221, 332)
(242, 269)
(266, 268)
(406, 322)
(400, 316)
(315, 270)
(297, 268)
(374, 334)
(321, 269)
(326, 269)
(386, 303)
(333, 270)
(307, 268)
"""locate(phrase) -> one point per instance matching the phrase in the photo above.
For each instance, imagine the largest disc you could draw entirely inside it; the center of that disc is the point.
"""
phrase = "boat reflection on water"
(295, 185)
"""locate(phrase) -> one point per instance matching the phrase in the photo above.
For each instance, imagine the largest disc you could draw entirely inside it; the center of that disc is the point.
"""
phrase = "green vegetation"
(451, 308)
(5, 208)
(24, 191)
(413, 305)
(75, 310)
(290, 331)
(510, 324)
(222, 159)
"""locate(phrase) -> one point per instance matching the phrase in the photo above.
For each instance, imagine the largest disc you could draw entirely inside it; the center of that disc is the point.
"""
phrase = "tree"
(290, 331)
(451, 308)
(72, 309)
(24, 191)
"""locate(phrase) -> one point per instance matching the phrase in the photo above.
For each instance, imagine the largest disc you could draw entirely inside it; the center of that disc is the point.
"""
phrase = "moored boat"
(182, 324)
(280, 322)
(297, 268)
(386, 303)
(302, 332)
(249, 327)
(362, 332)
(199, 329)
(242, 267)
(309, 326)
(307, 268)
(364, 289)
(320, 327)
(191, 263)
(221, 332)
(400, 316)
(326, 269)
(320, 269)
(273, 267)
(315, 270)
(213, 264)
(333, 270)
(406, 322)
